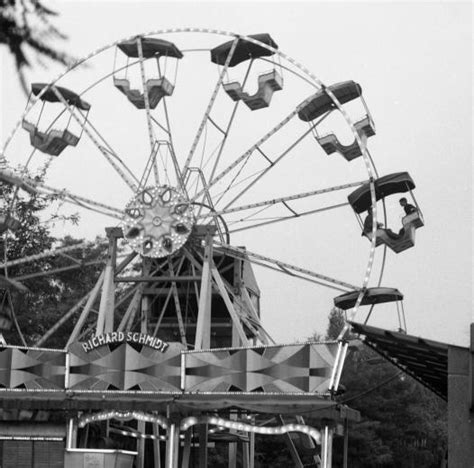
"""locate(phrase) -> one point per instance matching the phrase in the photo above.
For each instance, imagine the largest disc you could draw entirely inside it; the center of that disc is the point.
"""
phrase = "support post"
(156, 446)
(141, 445)
(203, 428)
(105, 321)
(233, 445)
(172, 446)
(230, 306)
(245, 455)
(141, 425)
(346, 443)
(326, 447)
(252, 449)
(85, 312)
(71, 441)
(187, 448)
(203, 326)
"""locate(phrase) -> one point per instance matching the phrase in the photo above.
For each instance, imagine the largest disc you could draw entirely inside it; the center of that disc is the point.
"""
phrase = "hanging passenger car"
(400, 182)
(321, 105)
(155, 88)
(244, 50)
(372, 297)
(53, 141)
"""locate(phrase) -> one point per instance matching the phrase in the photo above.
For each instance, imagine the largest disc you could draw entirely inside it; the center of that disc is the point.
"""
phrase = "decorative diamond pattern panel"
(31, 368)
(304, 368)
(125, 366)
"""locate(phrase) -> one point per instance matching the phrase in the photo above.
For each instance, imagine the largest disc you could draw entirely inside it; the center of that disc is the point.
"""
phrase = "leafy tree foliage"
(403, 424)
(26, 24)
(53, 287)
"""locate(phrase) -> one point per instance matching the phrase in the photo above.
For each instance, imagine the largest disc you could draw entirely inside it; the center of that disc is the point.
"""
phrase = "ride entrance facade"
(168, 357)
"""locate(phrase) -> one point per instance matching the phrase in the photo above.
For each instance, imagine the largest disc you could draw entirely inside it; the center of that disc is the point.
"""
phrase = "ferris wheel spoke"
(226, 132)
(216, 154)
(210, 105)
(274, 220)
(150, 165)
(145, 94)
(271, 165)
(35, 186)
(120, 167)
(242, 159)
(168, 131)
(47, 253)
(81, 201)
(286, 268)
(283, 200)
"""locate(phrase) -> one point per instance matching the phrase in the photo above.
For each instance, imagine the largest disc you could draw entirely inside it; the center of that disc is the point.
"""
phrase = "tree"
(26, 24)
(52, 291)
(403, 424)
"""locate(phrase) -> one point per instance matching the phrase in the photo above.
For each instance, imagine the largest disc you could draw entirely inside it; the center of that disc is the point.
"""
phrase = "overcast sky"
(414, 62)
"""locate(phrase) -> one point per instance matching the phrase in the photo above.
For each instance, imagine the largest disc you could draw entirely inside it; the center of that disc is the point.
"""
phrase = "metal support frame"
(172, 446)
(326, 447)
(187, 448)
(71, 435)
(291, 445)
(105, 320)
(177, 306)
(87, 308)
(203, 326)
(345, 453)
(203, 433)
(230, 306)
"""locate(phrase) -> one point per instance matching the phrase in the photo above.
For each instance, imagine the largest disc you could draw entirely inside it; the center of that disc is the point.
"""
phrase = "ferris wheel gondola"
(400, 182)
(155, 87)
(243, 51)
(51, 140)
(321, 105)
(372, 297)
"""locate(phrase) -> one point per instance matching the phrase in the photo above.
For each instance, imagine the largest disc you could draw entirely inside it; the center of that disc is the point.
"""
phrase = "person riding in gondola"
(368, 223)
(368, 226)
(409, 209)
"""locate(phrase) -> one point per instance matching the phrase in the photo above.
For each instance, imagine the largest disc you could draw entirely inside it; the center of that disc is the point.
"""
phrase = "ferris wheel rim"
(316, 83)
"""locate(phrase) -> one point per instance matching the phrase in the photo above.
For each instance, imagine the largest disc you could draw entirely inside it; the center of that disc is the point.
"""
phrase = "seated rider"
(409, 209)
(368, 223)
(368, 226)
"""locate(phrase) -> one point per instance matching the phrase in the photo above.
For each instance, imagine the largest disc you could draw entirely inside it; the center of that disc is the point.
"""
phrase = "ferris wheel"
(189, 147)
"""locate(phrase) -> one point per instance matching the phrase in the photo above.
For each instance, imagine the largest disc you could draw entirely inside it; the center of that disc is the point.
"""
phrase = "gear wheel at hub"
(158, 221)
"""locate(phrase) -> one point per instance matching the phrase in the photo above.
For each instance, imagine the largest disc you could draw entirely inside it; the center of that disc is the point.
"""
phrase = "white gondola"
(268, 82)
(360, 200)
(405, 239)
(372, 297)
(54, 141)
(321, 105)
(154, 89)
(331, 144)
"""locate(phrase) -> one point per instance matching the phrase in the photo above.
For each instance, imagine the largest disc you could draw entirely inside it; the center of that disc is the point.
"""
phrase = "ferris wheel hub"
(158, 221)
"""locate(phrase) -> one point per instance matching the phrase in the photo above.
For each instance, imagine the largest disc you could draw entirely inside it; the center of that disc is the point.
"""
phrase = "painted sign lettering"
(124, 337)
